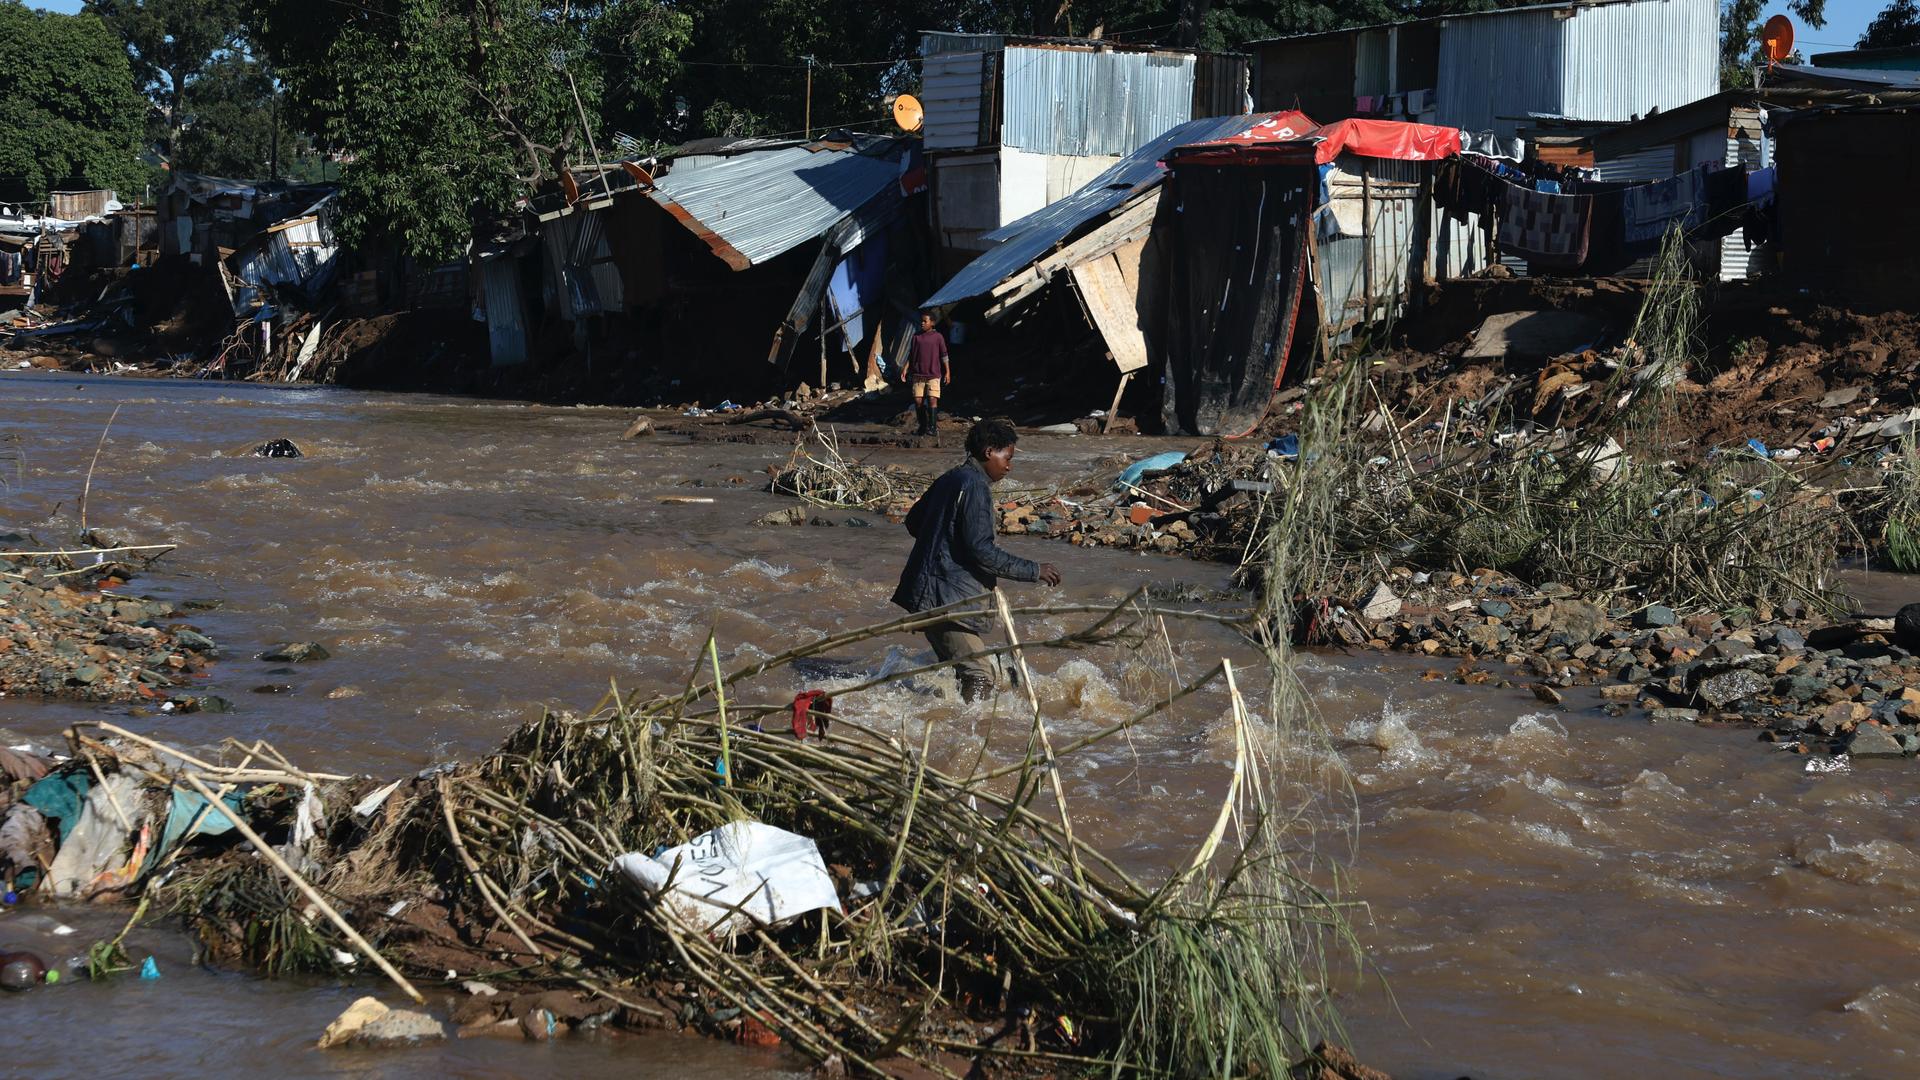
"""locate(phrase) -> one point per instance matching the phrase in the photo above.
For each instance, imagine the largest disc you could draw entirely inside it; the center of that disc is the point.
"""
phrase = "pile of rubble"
(1849, 687)
(66, 632)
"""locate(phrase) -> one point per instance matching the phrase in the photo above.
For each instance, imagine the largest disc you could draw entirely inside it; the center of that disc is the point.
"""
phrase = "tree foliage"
(170, 43)
(442, 110)
(235, 125)
(69, 115)
(1896, 26)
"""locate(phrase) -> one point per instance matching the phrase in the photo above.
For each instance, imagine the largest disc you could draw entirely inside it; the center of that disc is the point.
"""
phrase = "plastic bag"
(734, 876)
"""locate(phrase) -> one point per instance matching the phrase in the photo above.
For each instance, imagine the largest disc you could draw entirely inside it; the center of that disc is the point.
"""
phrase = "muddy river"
(1551, 894)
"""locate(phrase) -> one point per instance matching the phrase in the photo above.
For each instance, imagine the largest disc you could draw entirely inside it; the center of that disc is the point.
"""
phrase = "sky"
(1846, 21)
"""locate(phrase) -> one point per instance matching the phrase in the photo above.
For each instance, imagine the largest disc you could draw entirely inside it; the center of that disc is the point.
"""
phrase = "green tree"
(235, 125)
(69, 113)
(444, 110)
(170, 43)
(1740, 45)
(1898, 25)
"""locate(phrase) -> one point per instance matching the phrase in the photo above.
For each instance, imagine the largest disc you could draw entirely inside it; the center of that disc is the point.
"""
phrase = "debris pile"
(66, 632)
(912, 918)
(1813, 684)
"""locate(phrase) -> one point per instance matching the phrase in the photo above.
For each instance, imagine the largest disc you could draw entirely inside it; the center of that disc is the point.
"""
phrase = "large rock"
(369, 1023)
(1727, 687)
(296, 652)
(1654, 615)
(1872, 740)
(1383, 604)
(792, 515)
(1906, 628)
(1578, 619)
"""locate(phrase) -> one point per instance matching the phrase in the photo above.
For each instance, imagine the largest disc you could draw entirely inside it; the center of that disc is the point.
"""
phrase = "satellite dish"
(1776, 38)
(907, 112)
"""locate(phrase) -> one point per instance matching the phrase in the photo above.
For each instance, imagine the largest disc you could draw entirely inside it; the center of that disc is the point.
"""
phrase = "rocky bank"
(69, 631)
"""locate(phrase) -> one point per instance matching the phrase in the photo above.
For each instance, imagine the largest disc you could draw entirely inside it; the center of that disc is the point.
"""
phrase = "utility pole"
(273, 164)
(809, 60)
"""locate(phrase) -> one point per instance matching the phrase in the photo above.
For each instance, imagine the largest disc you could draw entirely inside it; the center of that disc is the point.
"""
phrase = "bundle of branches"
(1602, 510)
(1889, 507)
(823, 476)
(965, 896)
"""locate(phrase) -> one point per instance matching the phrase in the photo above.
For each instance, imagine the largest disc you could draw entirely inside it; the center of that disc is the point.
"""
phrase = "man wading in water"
(954, 555)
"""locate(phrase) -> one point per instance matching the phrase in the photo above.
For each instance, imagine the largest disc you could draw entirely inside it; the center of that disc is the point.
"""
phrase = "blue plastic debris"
(1758, 447)
(149, 969)
(1286, 446)
(1132, 473)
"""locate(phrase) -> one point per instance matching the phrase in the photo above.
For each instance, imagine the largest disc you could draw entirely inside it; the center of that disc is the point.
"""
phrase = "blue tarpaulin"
(858, 286)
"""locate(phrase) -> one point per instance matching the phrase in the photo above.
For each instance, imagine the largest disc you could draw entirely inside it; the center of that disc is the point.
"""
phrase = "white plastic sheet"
(740, 874)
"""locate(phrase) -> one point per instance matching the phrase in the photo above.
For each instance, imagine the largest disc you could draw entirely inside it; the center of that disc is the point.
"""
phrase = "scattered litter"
(1132, 473)
(375, 800)
(740, 874)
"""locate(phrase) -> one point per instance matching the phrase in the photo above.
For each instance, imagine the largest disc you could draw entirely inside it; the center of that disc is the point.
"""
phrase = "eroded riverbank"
(1717, 907)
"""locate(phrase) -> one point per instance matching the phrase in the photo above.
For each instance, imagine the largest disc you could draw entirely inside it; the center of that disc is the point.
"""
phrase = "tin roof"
(1564, 5)
(1021, 242)
(751, 207)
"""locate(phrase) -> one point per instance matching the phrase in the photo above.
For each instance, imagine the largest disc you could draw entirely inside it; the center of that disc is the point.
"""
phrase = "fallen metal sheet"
(1022, 242)
(752, 207)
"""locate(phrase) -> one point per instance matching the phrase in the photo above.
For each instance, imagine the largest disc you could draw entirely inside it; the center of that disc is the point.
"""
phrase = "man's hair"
(929, 315)
(990, 434)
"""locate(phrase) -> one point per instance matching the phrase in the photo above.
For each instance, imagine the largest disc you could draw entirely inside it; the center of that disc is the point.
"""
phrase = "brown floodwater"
(1550, 893)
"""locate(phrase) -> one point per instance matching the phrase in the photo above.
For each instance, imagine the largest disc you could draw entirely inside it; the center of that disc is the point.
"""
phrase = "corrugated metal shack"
(1113, 240)
(688, 270)
(1858, 249)
(1100, 238)
(1014, 124)
(1723, 129)
(1277, 243)
(1609, 60)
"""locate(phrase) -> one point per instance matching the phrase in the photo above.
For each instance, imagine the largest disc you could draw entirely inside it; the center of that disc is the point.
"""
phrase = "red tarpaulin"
(1292, 139)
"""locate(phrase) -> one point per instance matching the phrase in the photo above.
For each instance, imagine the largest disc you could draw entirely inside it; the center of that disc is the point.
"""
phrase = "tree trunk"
(176, 111)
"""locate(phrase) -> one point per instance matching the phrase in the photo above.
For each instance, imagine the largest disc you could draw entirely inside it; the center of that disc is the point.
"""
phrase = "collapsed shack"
(962, 919)
(1269, 225)
(1291, 218)
(727, 269)
(1101, 236)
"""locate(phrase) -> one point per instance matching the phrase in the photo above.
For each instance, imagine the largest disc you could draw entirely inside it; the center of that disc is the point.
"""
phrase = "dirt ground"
(1775, 366)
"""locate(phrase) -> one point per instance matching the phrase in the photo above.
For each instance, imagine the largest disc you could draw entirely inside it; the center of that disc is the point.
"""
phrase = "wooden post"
(1366, 240)
(1113, 410)
(872, 380)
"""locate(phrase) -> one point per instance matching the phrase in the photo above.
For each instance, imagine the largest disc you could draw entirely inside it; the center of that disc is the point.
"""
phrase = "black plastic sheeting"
(1236, 277)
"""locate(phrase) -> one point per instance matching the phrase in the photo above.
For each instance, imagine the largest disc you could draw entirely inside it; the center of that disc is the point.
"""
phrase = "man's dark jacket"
(954, 555)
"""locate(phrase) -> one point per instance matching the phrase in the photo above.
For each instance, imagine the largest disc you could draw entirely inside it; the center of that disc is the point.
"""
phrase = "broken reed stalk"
(87, 488)
(480, 883)
(86, 551)
(1023, 901)
(1048, 764)
(720, 697)
(313, 896)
